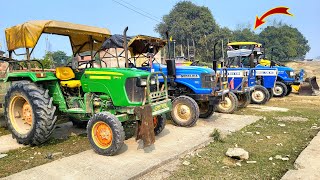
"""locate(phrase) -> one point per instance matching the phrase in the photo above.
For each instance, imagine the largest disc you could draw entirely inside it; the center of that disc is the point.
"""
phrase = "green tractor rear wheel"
(105, 133)
(185, 111)
(29, 113)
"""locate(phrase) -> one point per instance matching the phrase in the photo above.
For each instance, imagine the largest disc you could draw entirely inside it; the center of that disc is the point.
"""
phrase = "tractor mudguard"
(145, 127)
(213, 100)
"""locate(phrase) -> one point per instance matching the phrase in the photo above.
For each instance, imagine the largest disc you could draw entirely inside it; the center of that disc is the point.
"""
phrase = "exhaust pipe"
(167, 36)
(171, 65)
(125, 45)
(214, 62)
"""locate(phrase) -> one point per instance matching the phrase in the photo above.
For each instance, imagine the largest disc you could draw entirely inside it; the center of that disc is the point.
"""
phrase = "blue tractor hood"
(184, 69)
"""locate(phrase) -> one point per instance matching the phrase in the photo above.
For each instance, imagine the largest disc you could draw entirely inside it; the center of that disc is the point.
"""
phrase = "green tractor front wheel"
(159, 124)
(105, 133)
(29, 113)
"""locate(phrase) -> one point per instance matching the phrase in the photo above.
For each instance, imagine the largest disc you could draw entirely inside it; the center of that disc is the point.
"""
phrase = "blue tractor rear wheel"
(289, 90)
(244, 99)
(206, 110)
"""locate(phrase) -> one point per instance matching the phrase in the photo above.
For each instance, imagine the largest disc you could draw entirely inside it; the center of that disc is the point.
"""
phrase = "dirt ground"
(312, 68)
(289, 124)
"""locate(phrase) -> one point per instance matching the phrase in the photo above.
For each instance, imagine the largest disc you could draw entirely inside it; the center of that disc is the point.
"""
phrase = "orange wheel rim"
(27, 113)
(102, 134)
(155, 122)
(20, 114)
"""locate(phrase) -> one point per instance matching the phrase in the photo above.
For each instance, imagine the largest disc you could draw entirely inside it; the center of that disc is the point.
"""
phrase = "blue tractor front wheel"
(280, 89)
(260, 95)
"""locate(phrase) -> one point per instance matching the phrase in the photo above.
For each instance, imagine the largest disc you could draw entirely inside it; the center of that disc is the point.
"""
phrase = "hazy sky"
(109, 14)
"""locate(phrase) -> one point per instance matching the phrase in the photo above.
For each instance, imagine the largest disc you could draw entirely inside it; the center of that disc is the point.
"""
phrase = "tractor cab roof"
(82, 38)
(244, 48)
(239, 53)
(244, 43)
(137, 45)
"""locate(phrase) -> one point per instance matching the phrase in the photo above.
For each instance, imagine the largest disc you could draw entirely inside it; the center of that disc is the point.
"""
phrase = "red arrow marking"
(277, 10)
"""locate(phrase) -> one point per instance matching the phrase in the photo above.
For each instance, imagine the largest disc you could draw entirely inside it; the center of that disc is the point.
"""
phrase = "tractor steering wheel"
(104, 63)
(86, 63)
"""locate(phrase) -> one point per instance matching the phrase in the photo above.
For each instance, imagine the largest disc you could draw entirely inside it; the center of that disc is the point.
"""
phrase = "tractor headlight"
(208, 78)
(142, 82)
(153, 81)
(291, 73)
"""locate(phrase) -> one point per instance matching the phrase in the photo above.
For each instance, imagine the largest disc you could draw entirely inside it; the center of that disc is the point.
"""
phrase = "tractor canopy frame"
(82, 38)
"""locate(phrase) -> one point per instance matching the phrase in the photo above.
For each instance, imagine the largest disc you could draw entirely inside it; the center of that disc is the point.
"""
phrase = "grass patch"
(287, 141)
(29, 157)
(3, 131)
(216, 135)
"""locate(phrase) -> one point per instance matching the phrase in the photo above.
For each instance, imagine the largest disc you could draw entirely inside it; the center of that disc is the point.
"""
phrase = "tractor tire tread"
(44, 113)
(118, 133)
(264, 91)
(234, 100)
(209, 113)
(195, 115)
(246, 100)
(285, 89)
(160, 125)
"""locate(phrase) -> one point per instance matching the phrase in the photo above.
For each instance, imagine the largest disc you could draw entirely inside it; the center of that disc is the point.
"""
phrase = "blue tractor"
(243, 80)
(191, 88)
(286, 77)
(264, 76)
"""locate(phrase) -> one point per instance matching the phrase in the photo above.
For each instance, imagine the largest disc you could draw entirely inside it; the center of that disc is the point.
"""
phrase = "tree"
(188, 21)
(284, 42)
(60, 58)
(206, 44)
(47, 61)
(244, 34)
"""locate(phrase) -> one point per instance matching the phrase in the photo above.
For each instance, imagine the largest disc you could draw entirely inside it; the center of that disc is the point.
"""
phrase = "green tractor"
(103, 98)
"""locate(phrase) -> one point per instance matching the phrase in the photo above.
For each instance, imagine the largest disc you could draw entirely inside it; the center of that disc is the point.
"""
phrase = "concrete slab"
(133, 161)
(7, 143)
(267, 108)
(62, 131)
(308, 163)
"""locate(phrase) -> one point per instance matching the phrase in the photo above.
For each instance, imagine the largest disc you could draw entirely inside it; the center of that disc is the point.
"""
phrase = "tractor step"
(76, 110)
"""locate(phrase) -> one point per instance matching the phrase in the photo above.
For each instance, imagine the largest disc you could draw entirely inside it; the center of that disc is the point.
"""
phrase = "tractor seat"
(65, 75)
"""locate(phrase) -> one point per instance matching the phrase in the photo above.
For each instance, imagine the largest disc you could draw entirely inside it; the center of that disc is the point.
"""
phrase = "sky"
(110, 14)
